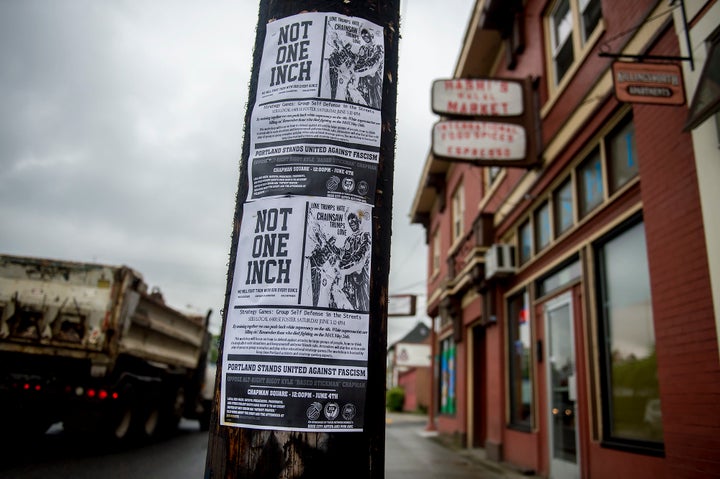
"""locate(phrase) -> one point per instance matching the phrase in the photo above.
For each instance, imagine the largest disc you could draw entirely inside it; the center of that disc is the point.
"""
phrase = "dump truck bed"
(74, 309)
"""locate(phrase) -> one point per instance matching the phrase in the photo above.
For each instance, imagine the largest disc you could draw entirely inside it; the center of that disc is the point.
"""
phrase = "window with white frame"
(622, 154)
(570, 25)
(590, 15)
(493, 173)
(563, 207)
(561, 33)
(611, 164)
(541, 223)
(458, 212)
(590, 183)
(525, 242)
(435, 252)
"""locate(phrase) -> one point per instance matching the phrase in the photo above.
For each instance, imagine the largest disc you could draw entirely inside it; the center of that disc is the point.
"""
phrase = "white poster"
(297, 327)
(315, 125)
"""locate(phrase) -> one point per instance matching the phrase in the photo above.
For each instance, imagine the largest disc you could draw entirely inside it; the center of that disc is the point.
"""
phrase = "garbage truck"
(91, 346)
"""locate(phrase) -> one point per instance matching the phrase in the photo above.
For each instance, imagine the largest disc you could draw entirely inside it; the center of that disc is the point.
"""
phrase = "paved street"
(412, 453)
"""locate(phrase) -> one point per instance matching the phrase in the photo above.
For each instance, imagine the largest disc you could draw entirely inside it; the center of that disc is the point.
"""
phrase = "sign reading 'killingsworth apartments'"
(655, 83)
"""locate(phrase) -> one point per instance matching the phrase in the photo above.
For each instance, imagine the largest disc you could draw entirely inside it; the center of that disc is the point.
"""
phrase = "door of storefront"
(561, 388)
(478, 389)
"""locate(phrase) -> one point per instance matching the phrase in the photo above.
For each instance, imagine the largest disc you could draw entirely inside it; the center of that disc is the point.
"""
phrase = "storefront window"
(520, 380)
(447, 376)
(560, 278)
(631, 397)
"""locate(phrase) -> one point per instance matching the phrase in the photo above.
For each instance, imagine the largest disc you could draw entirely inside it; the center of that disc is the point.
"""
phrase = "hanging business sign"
(655, 83)
(412, 355)
(494, 142)
(477, 97)
(402, 305)
(488, 121)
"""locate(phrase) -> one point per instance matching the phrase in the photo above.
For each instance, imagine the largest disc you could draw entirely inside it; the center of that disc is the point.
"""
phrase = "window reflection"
(632, 395)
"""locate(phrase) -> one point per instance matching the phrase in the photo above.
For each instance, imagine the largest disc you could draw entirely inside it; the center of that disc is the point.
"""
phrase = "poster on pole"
(296, 339)
(315, 125)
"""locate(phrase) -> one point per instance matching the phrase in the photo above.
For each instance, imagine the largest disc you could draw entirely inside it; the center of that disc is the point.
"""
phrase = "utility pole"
(300, 387)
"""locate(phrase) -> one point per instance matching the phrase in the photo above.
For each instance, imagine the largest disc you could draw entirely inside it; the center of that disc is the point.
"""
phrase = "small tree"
(395, 398)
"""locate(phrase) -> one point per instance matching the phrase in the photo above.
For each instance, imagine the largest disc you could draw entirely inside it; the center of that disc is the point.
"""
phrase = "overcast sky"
(121, 128)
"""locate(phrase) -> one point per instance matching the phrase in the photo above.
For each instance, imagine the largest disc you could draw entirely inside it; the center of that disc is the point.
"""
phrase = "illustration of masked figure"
(367, 70)
(322, 259)
(341, 63)
(354, 265)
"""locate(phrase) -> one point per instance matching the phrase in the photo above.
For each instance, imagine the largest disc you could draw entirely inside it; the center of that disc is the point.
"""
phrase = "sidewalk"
(411, 452)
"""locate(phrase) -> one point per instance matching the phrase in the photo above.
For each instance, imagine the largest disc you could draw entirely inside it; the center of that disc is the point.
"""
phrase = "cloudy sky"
(121, 128)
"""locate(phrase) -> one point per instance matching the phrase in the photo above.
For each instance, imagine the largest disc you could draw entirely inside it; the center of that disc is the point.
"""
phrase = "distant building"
(576, 302)
(408, 366)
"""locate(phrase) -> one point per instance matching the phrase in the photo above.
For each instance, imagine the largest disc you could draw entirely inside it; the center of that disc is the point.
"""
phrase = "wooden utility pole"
(316, 171)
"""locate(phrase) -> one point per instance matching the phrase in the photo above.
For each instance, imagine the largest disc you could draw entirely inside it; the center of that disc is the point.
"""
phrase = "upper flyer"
(315, 126)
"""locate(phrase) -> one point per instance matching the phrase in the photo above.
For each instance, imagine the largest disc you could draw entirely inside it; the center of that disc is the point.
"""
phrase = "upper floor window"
(542, 226)
(525, 249)
(561, 26)
(590, 14)
(563, 207)
(599, 177)
(590, 182)
(622, 155)
(458, 212)
(435, 252)
(570, 24)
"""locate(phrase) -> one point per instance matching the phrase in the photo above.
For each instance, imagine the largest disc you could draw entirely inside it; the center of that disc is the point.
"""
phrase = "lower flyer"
(296, 338)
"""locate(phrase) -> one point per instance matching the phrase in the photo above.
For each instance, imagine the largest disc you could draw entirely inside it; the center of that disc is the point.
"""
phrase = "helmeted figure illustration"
(354, 265)
(368, 70)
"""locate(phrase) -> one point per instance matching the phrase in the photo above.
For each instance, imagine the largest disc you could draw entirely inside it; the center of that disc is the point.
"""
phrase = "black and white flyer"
(296, 339)
(315, 125)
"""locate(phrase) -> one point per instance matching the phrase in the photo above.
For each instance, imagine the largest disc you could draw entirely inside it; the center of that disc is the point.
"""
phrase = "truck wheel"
(175, 410)
(121, 426)
(25, 427)
(152, 420)
(204, 417)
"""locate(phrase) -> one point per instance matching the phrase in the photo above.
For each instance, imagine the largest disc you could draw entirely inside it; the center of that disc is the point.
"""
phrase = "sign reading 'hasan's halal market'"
(477, 97)
(488, 121)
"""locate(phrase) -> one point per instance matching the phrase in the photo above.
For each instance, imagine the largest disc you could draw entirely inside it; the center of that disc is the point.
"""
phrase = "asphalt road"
(56, 456)
(411, 453)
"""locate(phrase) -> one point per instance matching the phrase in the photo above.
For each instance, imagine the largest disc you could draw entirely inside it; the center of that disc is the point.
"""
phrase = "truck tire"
(174, 410)
(204, 417)
(120, 426)
(25, 427)
(151, 423)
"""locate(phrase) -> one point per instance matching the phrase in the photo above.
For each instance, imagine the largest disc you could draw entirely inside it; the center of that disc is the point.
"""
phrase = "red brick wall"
(689, 372)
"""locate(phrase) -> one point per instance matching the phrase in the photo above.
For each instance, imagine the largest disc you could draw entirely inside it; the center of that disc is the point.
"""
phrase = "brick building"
(575, 301)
